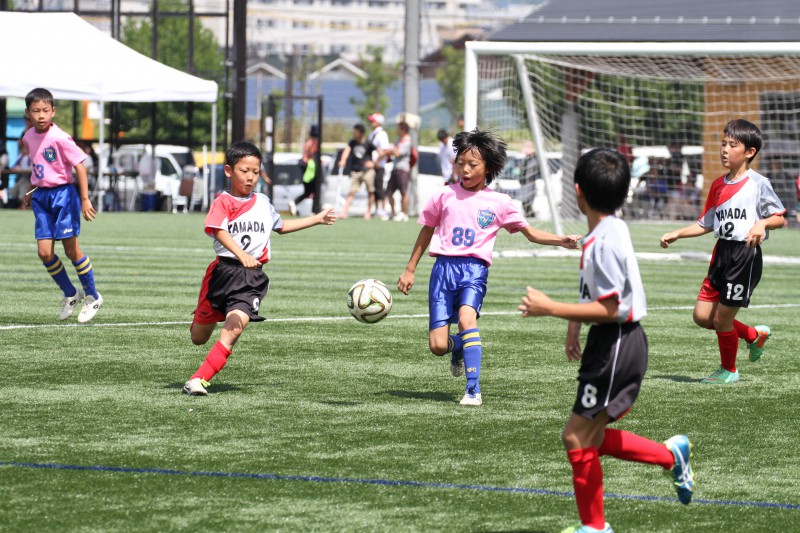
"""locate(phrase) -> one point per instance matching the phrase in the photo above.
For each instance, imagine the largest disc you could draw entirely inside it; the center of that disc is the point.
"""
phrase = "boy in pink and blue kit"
(460, 223)
(58, 205)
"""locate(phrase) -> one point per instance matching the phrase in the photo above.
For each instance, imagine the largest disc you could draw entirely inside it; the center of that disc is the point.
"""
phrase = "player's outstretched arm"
(325, 217)
(406, 280)
(693, 230)
(537, 303)
(542, 237)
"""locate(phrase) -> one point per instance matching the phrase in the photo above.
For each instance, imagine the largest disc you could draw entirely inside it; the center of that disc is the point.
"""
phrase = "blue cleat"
(682, 475)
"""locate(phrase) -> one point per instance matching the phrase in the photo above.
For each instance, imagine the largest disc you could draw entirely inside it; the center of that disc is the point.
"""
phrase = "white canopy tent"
(75, 61)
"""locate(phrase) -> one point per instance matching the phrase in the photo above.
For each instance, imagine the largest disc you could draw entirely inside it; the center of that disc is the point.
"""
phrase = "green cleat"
(721, 376)
(757, 346)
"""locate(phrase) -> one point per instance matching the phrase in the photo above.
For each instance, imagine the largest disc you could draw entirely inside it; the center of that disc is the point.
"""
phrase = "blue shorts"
(57, 211)
(455, 281)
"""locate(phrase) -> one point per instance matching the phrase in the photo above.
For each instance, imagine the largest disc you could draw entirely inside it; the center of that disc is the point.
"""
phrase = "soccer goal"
(663, 105)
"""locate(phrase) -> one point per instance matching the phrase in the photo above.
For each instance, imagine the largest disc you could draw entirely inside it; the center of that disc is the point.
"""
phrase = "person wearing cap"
(380, 140)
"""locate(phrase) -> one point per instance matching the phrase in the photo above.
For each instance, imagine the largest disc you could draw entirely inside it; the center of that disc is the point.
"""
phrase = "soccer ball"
(369, 301)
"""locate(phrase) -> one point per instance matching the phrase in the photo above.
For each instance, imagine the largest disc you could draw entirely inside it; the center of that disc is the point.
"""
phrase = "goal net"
(664, 108)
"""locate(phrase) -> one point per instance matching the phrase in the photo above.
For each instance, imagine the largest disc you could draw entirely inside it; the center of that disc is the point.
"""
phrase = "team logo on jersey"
(49, 154)
(485, 218)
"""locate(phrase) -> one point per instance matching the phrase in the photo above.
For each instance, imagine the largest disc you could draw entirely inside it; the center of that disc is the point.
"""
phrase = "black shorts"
(227, 285)
(612, 368)
(733, 274)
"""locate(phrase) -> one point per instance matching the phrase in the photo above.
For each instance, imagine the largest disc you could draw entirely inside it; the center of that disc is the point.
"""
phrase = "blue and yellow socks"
(86, 275)
(56, 270)
(473, 351)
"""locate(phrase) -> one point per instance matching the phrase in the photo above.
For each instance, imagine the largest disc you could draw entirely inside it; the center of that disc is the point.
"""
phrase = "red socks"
(743, 331)
(632, 447)
(587, 480)
(728, 346)
(587, 472)
(215, 360)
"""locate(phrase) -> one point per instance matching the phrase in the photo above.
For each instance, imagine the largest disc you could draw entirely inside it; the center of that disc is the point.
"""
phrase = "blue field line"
(384, 482)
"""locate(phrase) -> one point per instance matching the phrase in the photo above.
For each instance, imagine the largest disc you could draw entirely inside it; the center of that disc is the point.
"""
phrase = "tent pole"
(213, 173)
(101, 165)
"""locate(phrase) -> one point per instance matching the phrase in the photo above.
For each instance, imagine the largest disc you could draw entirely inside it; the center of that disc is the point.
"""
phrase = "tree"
(173, 36)
(379, 78)
(451, 80)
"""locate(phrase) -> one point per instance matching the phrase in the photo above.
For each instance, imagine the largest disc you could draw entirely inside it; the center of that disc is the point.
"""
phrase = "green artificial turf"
(321, 423)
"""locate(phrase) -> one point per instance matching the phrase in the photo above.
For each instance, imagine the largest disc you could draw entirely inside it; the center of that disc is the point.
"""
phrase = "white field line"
(325, 318)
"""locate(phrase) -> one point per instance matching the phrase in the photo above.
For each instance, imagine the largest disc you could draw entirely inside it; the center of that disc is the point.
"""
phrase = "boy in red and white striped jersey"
(740, 209)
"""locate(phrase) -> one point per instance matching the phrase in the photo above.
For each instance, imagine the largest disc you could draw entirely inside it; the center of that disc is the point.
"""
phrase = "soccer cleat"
(580, 528)
(682, 475)
(68, 305)
(196, 387)
(292, 208)
(757, 346)
(721, 375)
(90, 307)
(471, 399)
(457, 363)
(401, 217)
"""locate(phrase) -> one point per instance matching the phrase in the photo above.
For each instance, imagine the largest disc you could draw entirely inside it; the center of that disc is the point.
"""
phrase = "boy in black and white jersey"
(241, 223)
(740, 209)
(614, 359)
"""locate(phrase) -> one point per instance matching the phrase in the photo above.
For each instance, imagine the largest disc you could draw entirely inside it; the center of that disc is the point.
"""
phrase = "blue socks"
(56, 270)
(473, 351)
(86, 275)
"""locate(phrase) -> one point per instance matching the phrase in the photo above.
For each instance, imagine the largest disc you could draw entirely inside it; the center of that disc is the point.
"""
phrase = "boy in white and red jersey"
(57, 205)
(614, 359)
(460, 223)
(740, 209)
(241, 223)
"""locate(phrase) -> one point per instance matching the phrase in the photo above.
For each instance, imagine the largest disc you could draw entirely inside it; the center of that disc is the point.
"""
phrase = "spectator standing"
(358, 153)
(380, 140)
(447, 156)
(401, 172)
(309, 166)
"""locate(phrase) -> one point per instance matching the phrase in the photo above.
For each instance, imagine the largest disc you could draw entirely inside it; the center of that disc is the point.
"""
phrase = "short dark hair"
(442, 134)
(491, 147)
(240, 150)
(360, 128)
(403, 125)
(604, 178)
(745, 132)
(39, 95)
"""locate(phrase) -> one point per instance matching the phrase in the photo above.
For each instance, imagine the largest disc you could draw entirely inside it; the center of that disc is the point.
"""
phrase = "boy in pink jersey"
(56, 204)
(740, 209)
(459, 224)
(241, 223)
(614, 360)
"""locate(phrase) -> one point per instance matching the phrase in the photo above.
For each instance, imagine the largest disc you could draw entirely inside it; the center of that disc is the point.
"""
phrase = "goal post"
(663, 105)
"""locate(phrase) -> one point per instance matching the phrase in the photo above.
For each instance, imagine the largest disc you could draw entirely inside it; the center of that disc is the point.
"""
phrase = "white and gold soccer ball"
(369, 301)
